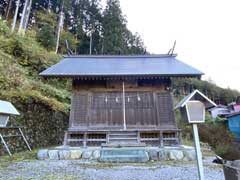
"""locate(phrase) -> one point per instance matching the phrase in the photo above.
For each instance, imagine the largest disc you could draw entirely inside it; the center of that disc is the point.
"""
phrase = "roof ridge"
(122, 56)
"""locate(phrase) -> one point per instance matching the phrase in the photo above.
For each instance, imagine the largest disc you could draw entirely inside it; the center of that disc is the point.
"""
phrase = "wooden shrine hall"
(121, 100)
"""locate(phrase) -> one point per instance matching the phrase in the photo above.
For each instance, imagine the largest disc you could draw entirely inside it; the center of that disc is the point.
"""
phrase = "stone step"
(121, 134)
(123, 155)
(123, 138)
(123, 144)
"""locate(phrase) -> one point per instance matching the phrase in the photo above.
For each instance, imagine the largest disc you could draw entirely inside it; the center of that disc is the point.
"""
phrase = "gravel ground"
(81, 170)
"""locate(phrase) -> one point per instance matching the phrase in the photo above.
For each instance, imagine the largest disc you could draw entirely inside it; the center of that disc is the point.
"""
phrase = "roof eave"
(120, 75)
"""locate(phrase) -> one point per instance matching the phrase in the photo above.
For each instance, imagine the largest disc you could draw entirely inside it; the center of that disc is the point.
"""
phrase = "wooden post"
(161, 138)
(25, 140)
(179, 136)
(124, 107)
(85, 140)
(107, 138)
(138, 136)
(65, 141)
(198, 152)
(5, 145)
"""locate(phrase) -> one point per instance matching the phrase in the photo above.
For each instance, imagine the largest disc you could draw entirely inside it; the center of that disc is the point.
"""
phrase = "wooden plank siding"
(103, 110)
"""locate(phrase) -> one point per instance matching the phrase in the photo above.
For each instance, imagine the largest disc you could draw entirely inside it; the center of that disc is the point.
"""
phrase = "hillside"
(43, 104)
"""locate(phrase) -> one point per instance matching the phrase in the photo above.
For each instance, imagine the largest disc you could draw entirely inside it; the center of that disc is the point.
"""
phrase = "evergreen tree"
(46, 28)
(84, 21)
(46, 37)
(117, 39)
(114, 29)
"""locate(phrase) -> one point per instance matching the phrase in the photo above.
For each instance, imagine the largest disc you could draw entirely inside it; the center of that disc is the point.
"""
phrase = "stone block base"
(123, 154)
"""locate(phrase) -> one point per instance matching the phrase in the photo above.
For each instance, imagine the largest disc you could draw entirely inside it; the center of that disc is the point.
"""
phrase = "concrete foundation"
(122, 154)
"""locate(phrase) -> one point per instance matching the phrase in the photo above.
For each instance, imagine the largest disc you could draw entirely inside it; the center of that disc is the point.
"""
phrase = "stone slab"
(75, 154)
(124, 155)
(42, 154)
(53, 154)
(87, 154)
(64, 155)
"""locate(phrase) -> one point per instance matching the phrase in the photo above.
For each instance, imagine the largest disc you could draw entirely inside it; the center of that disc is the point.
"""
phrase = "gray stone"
(153, 154)
(175, 155)
(53, 154)
(96, 154)
(236, 163)
(86, 154)
(162, 155)
(189, 155)
(124, 155)
(64, 154)
(42, 154)
(75, 154)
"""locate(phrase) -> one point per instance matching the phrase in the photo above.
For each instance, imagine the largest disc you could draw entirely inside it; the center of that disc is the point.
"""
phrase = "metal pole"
(15, 15)
(124, 107)
(198, 152)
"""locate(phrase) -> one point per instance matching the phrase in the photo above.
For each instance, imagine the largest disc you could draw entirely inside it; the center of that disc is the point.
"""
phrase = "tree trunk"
(15, 15)
(23, 18)
(27, 16)
(8, 9)
(60, 27)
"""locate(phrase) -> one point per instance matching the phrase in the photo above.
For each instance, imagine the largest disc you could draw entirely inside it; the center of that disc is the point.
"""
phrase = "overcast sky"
(207, 33)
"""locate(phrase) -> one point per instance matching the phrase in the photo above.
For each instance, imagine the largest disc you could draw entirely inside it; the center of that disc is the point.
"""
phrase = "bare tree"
(23, 18)
(27, 16)
(9, 7)
(60, 27)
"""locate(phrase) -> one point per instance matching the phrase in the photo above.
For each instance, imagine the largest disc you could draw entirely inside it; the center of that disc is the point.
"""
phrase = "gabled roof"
(219, 106)
(233, 114)
(7, 108)
(196, 95)
(111, 66)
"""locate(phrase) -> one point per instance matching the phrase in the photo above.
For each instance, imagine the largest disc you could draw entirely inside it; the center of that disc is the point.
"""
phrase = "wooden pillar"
(156, 108)
(107, 138)
(161, 139)
(65, 141)
(124, 107)
(138, 137)
(85, 140)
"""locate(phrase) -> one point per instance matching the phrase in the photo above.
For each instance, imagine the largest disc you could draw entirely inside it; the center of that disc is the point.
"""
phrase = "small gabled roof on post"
(7, 108)
(196, 95)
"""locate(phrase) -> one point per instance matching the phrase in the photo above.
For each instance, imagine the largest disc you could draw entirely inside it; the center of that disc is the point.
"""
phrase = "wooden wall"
(97, 105)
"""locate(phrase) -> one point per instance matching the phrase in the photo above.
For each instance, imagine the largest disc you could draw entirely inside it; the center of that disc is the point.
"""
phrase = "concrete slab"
(124, 155)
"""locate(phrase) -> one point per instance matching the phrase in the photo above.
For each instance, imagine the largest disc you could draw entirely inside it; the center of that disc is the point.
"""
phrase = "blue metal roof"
(142, 65)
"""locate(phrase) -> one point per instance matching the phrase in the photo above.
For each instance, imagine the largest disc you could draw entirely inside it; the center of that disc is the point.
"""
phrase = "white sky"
(207, 33)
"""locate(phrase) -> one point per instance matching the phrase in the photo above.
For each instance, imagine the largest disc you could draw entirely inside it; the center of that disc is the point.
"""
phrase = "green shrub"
(221, 149)
(72, 42)
(4, 29)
